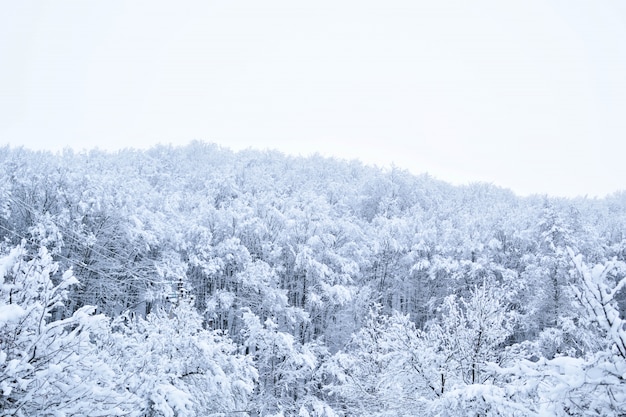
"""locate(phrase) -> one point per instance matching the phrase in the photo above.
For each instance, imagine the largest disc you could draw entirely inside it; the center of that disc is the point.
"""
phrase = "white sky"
(529, 95)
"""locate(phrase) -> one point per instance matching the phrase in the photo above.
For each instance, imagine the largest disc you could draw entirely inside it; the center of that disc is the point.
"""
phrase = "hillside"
(196, 281)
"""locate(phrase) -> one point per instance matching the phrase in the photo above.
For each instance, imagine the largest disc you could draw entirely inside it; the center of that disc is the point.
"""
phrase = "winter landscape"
(198, 281)
(399, 208)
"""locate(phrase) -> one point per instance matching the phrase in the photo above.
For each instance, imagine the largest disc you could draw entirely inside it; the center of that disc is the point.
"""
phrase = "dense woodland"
(196, 281)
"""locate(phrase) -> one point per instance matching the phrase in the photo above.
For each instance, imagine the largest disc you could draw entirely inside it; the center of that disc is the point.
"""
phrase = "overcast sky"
(529, 95)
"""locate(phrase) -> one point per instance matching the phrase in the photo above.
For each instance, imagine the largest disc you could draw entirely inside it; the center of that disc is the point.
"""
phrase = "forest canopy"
(196, 281)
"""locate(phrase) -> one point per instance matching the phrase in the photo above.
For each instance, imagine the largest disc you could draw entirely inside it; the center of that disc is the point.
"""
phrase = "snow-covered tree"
(589, 385)
(287, 371)
(176, 368)
(393, 368)
(52, 367)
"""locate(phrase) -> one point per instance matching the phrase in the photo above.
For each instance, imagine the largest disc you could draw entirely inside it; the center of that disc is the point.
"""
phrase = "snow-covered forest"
(196, 281)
